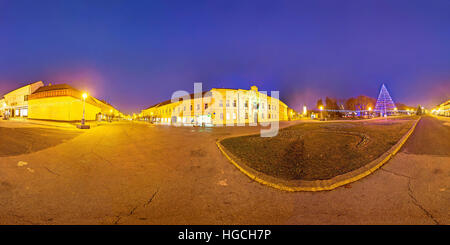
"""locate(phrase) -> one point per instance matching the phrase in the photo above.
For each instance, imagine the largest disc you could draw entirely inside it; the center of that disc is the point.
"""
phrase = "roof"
(22, 87)
(54, 87)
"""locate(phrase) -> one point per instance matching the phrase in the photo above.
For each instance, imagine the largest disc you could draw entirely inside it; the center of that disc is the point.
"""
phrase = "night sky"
(137, 53)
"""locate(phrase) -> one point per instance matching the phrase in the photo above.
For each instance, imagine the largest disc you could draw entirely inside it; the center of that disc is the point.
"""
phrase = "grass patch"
(318, 151)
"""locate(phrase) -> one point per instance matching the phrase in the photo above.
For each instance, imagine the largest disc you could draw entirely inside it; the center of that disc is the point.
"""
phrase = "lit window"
(228, 116)
(234, 116)
(228, 103)
(221, 115)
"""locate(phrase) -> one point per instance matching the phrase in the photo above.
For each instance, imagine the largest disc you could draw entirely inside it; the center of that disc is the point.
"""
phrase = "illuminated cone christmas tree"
(384, 102)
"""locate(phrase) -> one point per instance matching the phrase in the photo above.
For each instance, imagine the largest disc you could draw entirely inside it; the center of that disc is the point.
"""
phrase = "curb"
(319, 185)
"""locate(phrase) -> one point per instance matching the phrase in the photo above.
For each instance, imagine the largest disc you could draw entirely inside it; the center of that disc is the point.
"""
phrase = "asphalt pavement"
(135, 173)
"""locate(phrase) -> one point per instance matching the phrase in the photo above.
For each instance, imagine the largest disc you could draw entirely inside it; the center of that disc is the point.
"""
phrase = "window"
(234, 103)
(228, 103)
(206, 106)
(269, 106)
(191, 107)
(246, 115)
(262, 115)
(262, 105)
(221, 116)
(246, 104)
(234, 116)
(184, 108)
(221, 103)
(198, 107)
(228, 116)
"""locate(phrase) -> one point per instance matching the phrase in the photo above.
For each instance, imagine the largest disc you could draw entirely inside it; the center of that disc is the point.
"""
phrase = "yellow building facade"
(219, 107)
(443, 109)
(62, 102)
(15, 103)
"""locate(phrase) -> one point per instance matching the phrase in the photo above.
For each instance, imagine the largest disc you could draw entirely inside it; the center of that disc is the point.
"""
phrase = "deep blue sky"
(136, 53)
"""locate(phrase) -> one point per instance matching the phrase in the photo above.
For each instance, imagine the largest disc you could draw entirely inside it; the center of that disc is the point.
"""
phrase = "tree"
(331, 104)
(319, 103)
(364, 102)
(419, 110)
(350, 104)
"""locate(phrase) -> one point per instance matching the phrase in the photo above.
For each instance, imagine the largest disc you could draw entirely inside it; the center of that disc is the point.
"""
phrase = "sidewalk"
(25, 122)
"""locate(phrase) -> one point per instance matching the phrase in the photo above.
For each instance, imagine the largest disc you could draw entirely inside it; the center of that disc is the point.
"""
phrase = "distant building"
(61, 102)
(16, 101)
(220, 106)
(443, 109)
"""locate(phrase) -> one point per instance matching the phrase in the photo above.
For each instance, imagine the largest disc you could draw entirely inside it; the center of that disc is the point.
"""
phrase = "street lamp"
(84, 96)
(321, 109)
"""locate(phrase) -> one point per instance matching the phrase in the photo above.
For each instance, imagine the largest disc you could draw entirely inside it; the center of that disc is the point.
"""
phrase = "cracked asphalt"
(135, 173)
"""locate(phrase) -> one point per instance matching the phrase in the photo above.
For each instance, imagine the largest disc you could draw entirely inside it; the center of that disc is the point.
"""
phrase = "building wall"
(444, 109)
(221, 107)
(62, 108)
(17, 100)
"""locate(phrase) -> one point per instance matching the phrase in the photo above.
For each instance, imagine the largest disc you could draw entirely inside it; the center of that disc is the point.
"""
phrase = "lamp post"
(84, 96)
(321, 110)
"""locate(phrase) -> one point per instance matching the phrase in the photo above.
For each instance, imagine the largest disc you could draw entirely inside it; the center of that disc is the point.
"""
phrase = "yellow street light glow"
(395, 108)
(110, 111)
(320, 107)
(370, 108)
(84, 95)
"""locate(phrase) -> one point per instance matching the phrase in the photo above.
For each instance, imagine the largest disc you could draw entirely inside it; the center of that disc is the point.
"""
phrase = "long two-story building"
(220, 106)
